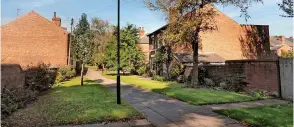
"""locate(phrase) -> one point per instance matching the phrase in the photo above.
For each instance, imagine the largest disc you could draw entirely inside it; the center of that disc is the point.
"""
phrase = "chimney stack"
(56, 20)
(141, 32)
(282, 39)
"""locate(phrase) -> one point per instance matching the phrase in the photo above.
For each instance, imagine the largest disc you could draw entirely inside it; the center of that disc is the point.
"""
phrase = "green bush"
(208, 82)
(235, 83)
(71, 73)
(158, 78)
(13, 99)
(142, 70)
(66, 72)
(40, 77)
(58, 78)
(176, 70)
(258, 94)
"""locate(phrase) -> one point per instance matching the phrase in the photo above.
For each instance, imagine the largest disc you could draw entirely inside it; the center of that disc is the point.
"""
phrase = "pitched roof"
(144, 40)
(33, 17)
(202, 57)
(275, 42)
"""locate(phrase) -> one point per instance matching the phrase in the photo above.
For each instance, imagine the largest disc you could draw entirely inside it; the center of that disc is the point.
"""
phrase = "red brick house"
(143, 44)
(31, 38)
(231, 40)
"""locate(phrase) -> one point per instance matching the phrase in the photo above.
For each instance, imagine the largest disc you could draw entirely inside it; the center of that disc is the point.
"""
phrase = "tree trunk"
(194, 76)
(97, 67)
(102, 68)
(82, 75)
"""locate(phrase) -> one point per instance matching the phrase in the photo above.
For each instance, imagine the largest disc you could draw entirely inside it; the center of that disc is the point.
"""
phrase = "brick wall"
(12, 76)
(233, 41)
(31, 39)
(260, 74)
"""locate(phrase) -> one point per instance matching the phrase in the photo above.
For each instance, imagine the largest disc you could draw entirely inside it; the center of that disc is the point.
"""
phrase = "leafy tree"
(187, 18)
(83, 43)
(131, 57)
(287, 7)
(101, 31)
(287, 54)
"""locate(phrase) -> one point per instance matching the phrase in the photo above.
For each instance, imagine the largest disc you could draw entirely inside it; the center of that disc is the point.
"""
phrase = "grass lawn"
(199, 96)
(91, 67)
(71, 103)
(265, 116)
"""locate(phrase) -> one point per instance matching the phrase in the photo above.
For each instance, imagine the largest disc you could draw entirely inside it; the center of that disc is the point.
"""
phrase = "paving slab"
(163, 111)
(247, 104)
(140, 123)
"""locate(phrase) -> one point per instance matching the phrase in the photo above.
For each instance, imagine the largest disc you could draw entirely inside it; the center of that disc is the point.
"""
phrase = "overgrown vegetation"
(69, 103)
(14, 99)
(40, 77)
(235, 83)
(67, 72)
(263, 116)
(176, 70)
(163, 57)
(157, 78)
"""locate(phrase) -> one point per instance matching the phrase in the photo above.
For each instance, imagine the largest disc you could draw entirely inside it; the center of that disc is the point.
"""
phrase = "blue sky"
(135, 12)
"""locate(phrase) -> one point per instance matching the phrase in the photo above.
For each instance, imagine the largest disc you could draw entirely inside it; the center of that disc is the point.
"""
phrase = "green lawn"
(200, 96)
(266, 116)
(71, 103)
(91, 67)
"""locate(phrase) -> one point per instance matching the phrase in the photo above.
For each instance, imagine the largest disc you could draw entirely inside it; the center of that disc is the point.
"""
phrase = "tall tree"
(287, 7)
(102, 32)
(187, 18)
(82, 44)
(131, 57)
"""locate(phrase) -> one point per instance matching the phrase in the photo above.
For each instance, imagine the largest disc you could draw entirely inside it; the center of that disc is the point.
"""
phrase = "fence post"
(279, 77)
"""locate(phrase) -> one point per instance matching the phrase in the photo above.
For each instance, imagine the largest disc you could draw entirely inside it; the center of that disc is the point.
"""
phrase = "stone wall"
(12, 76)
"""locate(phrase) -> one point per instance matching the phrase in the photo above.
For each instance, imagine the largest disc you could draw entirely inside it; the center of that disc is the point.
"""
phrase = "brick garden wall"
(12, 76)
(260, 74)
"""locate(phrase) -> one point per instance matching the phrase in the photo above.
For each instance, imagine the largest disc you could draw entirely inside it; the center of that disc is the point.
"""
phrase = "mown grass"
(92, 67)
(199, 96)
(71, 103)
(264, 116)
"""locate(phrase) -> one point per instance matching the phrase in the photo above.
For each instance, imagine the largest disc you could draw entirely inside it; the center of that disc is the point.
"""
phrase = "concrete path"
(162, 111)
(135, 123)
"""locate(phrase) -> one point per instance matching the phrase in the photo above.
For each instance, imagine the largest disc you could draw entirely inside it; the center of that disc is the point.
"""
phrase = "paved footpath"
(162, 111)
